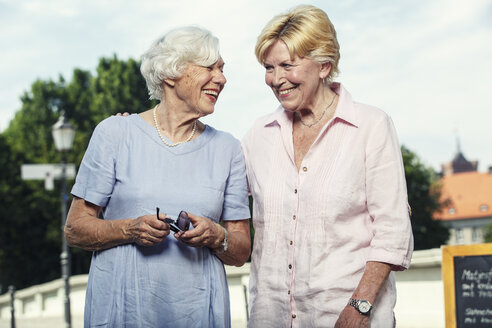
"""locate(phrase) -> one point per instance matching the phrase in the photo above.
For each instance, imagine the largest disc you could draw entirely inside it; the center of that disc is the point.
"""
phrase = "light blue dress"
(129, 171)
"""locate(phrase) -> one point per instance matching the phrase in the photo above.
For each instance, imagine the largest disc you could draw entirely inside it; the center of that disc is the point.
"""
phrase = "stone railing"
(41, 306)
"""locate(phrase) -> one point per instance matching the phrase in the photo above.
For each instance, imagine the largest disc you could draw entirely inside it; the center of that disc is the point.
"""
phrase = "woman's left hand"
(205, 233)
(351, 318)
(375, 274)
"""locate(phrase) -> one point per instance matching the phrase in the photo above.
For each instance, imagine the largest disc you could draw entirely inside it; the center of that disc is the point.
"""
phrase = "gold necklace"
(322, 114)
(164, 140)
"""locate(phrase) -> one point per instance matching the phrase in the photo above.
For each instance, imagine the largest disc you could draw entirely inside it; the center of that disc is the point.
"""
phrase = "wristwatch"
(364, 307)
(224, 243)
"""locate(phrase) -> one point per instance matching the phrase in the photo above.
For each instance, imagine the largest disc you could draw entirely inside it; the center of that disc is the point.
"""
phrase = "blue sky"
(426, 63)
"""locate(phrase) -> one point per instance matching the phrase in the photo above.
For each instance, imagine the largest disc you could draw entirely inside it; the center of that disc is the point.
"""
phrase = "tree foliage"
(30, 233)
(488, 234)
(424, 199)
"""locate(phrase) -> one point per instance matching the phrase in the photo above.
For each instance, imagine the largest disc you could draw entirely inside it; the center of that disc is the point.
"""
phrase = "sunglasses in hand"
(182, 223)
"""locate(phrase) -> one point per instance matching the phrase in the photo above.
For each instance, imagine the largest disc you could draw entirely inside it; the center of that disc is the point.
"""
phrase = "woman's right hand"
(148, 231)
(84, 229)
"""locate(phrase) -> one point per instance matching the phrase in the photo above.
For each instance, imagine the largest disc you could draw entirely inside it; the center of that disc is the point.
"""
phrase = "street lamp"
(63, 133)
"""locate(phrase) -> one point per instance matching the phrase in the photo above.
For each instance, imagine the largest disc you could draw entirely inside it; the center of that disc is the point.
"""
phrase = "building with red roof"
(467, 194)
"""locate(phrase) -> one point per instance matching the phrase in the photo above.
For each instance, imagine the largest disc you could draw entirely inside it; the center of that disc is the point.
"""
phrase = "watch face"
(364, 306)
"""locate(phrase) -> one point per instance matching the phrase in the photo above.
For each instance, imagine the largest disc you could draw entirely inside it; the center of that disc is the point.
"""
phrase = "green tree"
(30, 234)
(29, 133)
(26, 234)
(488, 234)
(118, 87)
(424, 199)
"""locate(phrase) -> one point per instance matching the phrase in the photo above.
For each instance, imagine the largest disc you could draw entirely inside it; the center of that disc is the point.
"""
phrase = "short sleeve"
(96, 176)
(236, 204)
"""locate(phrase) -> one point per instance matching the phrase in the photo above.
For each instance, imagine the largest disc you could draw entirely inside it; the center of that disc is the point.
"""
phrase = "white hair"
(169, 55)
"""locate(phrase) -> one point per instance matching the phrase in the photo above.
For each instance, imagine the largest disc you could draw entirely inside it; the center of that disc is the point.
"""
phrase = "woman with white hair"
(163, 158)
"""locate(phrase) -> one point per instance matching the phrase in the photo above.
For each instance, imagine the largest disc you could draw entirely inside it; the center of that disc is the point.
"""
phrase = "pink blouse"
(316, 228)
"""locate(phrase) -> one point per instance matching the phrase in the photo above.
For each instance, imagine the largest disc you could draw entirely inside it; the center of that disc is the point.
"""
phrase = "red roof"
(470, 194)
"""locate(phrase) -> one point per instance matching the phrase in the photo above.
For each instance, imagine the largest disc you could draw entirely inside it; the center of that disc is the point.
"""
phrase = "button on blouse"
(350, 207)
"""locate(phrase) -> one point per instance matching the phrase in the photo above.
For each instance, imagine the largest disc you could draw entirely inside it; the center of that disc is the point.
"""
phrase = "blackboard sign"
(467, 278)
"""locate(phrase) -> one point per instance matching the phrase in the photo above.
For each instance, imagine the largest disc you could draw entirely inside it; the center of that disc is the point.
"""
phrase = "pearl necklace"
(162, 137)
(322, 114)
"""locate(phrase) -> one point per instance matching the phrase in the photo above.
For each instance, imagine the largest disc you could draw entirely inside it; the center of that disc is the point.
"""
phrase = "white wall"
(420, 298)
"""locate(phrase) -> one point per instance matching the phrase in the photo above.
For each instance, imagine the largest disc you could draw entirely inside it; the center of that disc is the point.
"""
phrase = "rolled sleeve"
(387, 200)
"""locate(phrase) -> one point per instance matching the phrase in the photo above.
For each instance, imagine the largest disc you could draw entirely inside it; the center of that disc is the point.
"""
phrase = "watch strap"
(358, 304)
(224, 244)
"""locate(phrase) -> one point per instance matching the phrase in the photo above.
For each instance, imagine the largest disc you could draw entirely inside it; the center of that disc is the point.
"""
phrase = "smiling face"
(296, 83)
(199, 87)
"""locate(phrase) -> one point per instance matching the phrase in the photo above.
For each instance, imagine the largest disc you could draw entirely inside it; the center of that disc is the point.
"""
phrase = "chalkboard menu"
(467, 277)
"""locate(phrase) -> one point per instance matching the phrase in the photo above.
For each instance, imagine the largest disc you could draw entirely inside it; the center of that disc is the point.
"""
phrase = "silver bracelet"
(224, 244)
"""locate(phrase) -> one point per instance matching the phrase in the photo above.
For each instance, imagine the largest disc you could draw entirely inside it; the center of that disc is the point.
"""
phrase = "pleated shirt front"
(315, 228)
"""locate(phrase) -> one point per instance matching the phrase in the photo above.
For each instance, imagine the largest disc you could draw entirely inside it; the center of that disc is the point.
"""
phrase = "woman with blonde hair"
(330, 205)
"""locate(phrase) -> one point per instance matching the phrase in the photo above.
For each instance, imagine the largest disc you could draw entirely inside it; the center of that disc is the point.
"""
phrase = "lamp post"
(63, 133)
(12, 306)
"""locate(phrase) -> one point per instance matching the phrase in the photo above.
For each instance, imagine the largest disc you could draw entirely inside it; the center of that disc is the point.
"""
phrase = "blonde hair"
(169, 55)
(307, 31)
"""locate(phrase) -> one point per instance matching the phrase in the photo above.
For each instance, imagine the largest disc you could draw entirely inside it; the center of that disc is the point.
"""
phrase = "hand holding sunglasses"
(182, 223)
